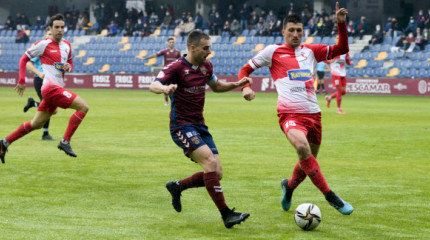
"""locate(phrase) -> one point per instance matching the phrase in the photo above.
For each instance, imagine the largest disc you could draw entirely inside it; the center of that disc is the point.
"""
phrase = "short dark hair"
(195, 36)
(293, 18)
(56, 17)
(171, 38)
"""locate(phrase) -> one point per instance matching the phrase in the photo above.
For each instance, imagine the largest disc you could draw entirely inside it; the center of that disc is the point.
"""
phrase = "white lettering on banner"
(422, 87)
(265, 84)
(400, 86)
(8, 81)
(368, 86)
(145, 81)
(78, 81)
(101, 81)
(125, 81)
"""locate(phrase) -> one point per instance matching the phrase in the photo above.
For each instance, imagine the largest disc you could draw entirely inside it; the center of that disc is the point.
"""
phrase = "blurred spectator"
(311, 28)
(226, 29)
(189, 26)
(244, 16)
(278, 28)
(253, 20)
(427, 21)
(166, 21)
(257, 9)
(171, 11)
(198, 20)
(147, 30)
(117, 19)
(179, 28)
(101, 14)
(350, 28)
(270, 17)
(304, 18)
(18, 20)
(128, 28)
(412, 26)
(420, 19)
(39, 23)
(395, 28)
(426, 35)
(320, 26)
(216, 24)
(328, 26)
(377, 36)
(153, 20)
(235, 28)
(400, 44)
(212, 12)
(9, 24)
(138, 28)
(22, 37)
(420, 41)
(82, 21)
(113, 29)
(161, 11)
(230, 13)
(361, 27)
(260, 27)
(47, 20)
(307, 11)
(270, 28)
(145, 17)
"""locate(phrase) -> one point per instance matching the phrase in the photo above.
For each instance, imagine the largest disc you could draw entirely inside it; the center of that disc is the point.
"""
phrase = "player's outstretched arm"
(247, 91)
(221, 86)
(150, 56)
(157, 87)
(340, 14)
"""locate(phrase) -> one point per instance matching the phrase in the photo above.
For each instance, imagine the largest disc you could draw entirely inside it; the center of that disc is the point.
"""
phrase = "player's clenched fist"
(170, 88)
(244, 81)
(248, 93)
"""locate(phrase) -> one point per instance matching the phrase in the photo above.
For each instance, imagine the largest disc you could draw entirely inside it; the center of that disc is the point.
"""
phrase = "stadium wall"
(373, 86)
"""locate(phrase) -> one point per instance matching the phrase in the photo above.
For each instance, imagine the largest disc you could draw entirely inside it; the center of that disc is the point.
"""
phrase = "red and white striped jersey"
(292, 70)
(53, 55)
(338, 67)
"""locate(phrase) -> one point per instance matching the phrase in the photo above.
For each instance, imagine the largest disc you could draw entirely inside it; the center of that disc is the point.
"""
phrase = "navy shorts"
(192, 136)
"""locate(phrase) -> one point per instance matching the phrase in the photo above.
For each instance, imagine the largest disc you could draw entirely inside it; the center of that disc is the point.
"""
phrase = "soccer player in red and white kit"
(338, 74)
(292, 68)
(185, 80)
(56, 57)
(170, 54)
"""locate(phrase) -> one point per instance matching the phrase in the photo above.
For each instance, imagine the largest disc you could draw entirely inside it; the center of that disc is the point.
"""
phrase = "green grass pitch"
(376, 157)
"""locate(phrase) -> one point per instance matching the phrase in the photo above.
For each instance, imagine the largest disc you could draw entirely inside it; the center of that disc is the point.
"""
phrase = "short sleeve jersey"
(189, 98)
(169, 55)
(292, 70)
(53, 56)
(338, 67)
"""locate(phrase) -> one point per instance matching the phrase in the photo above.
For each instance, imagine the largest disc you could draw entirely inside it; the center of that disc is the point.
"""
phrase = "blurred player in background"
(292, 68)
(170, 54)
(186, 80)
(56, 58)
(35, 67)
(338, 74)
(320, 78)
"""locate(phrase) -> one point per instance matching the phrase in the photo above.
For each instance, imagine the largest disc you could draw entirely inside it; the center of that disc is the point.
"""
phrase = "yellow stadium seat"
(126, 47)
(151, 62)
(142, 54)
(105, 68)
(27, 32)
(381, 56)
(393, 72)
(211, 55)
(258, 47)
(123, 40)
(103, 33)
(82, 53)
(309, 40)
(0, 51)
(89, 61)
(240, 40)
(362, 63)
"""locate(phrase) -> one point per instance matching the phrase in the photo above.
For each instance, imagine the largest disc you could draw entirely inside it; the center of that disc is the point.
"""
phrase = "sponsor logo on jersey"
(59, 66)
(300, 74)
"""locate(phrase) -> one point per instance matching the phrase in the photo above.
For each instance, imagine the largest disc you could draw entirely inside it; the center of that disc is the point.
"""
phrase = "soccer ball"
(307, 216)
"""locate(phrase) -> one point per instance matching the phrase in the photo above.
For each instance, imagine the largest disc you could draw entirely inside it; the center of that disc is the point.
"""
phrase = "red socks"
(312, 169)
(22, 130)
(214, 189)
(339, 96)
(298, 176)
(74, 122)
(195, 180)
